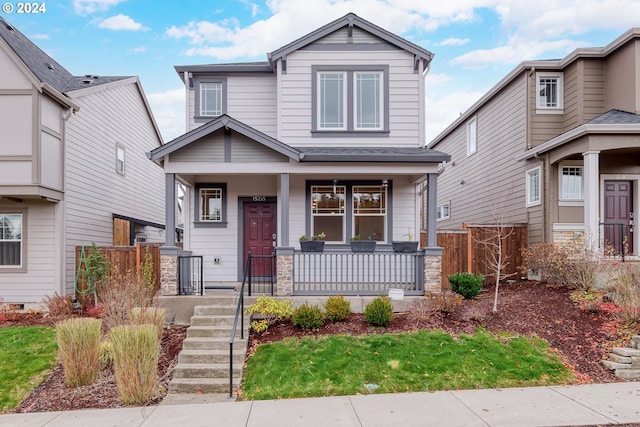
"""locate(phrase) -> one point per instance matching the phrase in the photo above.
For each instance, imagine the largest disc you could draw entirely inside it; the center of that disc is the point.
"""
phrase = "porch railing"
(614, 238)
(353, 273)
(190, 275)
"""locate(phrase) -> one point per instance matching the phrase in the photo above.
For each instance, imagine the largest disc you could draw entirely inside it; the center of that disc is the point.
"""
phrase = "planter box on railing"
(404, 246)
(312, 245)
(363, 245)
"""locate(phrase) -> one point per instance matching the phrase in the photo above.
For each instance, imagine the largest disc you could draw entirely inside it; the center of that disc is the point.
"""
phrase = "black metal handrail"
(263, 276)
(188, 266)
(239, 313)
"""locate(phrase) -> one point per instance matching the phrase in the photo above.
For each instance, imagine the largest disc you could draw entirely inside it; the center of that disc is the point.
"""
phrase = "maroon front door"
(618, 216)
(260, 235)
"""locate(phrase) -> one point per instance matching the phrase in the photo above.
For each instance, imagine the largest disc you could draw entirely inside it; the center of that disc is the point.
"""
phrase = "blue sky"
(476, 42)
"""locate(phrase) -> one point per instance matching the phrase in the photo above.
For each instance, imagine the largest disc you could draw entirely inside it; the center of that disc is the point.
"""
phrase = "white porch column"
(591, 177)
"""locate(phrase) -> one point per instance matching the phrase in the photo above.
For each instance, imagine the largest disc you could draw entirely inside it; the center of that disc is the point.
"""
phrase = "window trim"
(198, 116)
(528, 173)
(22, 268)
(351, 105)
(348, 216)
(562, 201)
(472, 143)
(440, 209)
(121, 148)
(197, 221)
(559, 109)
(384, 208)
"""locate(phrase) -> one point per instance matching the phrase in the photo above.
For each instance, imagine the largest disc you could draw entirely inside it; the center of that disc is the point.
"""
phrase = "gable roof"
(351, 20)
(552, 64)
(303, 154)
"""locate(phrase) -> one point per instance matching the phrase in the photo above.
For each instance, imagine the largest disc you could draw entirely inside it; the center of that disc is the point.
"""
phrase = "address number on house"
(259, 198)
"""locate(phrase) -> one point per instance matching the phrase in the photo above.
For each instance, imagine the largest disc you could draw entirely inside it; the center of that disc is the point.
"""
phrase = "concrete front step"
(217, 320)
(202, 385)
(211, 331)
(206, 343)
(217, 309)
(206, 370)
(627, 352)
(210, 356)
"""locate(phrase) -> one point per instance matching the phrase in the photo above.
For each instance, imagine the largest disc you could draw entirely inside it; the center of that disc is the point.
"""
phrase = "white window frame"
(528, 175)
(121, 157)
(562, 199)
(318, 212)
(320, 106)
(472, 136)
(382, 210)
(380, 101)
(553, 109)
(443, 211)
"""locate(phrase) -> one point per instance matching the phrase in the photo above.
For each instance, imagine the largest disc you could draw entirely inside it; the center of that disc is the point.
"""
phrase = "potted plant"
(313, 244)
(359, 245)
(405, 246)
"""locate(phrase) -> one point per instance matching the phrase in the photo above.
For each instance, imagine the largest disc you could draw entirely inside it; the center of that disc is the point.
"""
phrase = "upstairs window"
(350, 99)
(549, 92)
(533, 186)
(210, 98)
(120, 158)
(472, 136)
(10, 240)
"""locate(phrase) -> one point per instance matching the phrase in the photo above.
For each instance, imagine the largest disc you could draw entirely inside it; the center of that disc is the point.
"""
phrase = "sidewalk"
(593, 404)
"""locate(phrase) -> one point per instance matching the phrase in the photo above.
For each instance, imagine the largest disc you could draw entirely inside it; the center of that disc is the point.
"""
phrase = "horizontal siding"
(246, 150)
(94, 190)
(208, 149)
(490, 179)
(16, 122)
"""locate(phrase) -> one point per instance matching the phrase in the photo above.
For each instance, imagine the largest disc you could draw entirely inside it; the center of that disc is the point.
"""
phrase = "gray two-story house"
(555, 145)
(327, 136)
(73, 168)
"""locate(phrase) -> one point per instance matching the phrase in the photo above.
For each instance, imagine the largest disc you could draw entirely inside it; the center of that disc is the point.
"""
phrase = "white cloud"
(139, 49)
(86, 7)
(453, 41)
(39, 36)
(443, 109)
(121, 22)
(169, 111)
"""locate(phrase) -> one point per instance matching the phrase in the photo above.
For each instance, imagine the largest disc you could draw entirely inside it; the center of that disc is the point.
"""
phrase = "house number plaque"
(259, 198)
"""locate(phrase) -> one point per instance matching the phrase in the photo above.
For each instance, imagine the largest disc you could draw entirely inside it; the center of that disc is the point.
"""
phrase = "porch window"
(328, 211)
(571, 183)
(210, 205)
(10, 240)
(549, 92)
(370, 212)
(533, 186)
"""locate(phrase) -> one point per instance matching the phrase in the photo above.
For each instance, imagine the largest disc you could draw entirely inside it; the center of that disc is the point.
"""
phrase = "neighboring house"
(555, 145)
(327, 136)
(72, 168)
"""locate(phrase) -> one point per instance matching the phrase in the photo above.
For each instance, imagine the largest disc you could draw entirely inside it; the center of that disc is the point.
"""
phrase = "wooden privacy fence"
(469, 250)
(124, 259)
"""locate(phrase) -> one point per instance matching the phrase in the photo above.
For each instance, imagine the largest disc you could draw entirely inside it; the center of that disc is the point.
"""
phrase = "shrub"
(420, 310)
(270, 310)
(120, 294)
(79, 349)
(106, 354)
(468, 285)
(338, 309)
(57, 306)
(308, 317)
(379, 312)
(625, 292)
(149, 315)
(136, 349)
(445, 301)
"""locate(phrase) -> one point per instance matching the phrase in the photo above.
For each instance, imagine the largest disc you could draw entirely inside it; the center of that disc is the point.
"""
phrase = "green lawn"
(26, 354)
(420, 361)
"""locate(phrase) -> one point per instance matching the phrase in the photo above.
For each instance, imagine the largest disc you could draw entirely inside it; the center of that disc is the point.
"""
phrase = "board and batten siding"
(296, 96)
(490, 179)
(251, 99)
(94, 190)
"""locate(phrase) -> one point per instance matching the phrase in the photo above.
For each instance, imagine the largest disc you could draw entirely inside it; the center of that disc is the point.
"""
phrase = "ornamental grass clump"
(149, 315)
(308, 317)
(338, 309)
(379, 312)
(136, 349)
(79, 349)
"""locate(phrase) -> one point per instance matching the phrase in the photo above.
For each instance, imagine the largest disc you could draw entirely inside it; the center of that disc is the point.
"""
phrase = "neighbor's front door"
(618, 215)
(259, 234)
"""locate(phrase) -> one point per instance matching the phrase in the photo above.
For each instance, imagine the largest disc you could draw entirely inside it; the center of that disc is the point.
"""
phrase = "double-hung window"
(571, 184)
(11, 240)
(369, 212)
(350, 99)
(328, 211)
(443, 211)
(549, 94)
(472, 136)
(533, 186)
(210, 205)
(120, 158)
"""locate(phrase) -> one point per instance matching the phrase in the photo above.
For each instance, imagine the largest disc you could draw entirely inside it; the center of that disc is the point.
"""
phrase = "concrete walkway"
(593, 404)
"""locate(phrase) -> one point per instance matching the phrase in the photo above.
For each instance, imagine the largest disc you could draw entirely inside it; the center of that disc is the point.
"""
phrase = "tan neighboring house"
(72, 168)
(555, 145)
(326, 136)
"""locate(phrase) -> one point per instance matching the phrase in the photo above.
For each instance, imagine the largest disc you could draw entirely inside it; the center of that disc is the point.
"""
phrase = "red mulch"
(580, 337)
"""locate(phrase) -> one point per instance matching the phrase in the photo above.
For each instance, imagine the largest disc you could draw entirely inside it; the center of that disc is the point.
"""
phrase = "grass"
(26, 354)
(420, 361)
